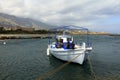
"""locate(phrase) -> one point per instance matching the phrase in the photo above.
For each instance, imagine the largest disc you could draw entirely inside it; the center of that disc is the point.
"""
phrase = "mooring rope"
(57, 68)
(65, 64)
(91, 69)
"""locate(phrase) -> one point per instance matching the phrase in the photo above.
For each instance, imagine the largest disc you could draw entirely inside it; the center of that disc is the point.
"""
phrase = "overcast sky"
(97, 15)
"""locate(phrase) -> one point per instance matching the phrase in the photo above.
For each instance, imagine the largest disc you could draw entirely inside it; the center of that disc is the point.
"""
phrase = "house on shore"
(19, 28)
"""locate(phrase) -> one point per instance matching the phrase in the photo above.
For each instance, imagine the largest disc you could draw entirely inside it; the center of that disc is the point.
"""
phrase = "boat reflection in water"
(77, 71)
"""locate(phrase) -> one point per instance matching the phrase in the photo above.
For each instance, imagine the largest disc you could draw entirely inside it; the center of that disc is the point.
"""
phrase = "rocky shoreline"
(114, 34)
(35, 36)
(24, 36)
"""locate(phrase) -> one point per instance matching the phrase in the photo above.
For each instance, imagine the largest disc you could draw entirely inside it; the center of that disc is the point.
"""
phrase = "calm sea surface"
(26, 59)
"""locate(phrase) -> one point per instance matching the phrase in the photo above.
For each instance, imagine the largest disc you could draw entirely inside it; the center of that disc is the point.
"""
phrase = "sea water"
(26, 59)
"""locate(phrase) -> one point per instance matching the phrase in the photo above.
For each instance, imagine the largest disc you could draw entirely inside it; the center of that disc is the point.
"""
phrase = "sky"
(96, 15)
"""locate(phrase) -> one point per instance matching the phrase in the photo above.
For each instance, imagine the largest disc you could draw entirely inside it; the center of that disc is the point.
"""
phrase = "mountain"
(12, 21)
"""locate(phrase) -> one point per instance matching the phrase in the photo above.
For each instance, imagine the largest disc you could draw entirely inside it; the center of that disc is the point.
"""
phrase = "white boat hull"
(66, 47)
(73, 55)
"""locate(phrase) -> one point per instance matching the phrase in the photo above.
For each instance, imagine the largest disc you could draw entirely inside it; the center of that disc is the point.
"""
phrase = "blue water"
(26, 59)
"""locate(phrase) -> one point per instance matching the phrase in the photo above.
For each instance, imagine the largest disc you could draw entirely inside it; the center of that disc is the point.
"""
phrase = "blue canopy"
(71, 27)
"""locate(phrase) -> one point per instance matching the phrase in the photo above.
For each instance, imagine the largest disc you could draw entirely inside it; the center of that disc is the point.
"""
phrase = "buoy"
(48, 53)
(4, 42)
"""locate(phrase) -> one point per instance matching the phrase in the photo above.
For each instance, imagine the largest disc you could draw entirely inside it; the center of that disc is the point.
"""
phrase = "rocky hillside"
(12, 21)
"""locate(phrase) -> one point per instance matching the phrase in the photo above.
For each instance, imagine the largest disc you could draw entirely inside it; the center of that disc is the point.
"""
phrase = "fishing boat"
(66, 48)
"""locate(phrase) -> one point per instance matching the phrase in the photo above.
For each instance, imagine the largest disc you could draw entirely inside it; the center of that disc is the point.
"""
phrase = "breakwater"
(114, 34)
(24, 36)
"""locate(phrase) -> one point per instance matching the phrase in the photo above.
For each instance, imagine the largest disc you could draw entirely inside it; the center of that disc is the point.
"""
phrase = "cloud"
(64, 12)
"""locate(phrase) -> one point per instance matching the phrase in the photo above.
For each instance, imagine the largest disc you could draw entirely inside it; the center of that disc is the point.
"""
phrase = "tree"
(1, 29)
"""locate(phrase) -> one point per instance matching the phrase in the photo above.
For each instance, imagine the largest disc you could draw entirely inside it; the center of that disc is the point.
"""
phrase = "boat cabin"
(64, 41)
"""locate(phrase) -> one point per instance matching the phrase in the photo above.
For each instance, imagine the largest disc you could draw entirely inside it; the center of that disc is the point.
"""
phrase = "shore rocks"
(24, 36)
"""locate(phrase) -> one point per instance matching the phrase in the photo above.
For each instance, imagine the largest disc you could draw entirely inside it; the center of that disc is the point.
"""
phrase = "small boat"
(65, 47)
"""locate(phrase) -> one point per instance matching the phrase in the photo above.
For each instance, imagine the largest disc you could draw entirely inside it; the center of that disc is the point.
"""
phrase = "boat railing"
(89, 44)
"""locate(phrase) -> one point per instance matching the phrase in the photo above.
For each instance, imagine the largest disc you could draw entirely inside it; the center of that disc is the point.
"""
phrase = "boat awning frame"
(70, 27)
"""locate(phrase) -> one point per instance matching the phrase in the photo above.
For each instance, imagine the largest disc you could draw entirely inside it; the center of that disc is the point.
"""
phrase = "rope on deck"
(56, 69)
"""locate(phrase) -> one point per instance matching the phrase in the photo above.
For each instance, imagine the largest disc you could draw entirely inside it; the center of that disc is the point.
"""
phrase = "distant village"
(93, 33)
(22, 30)
(14, 28)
